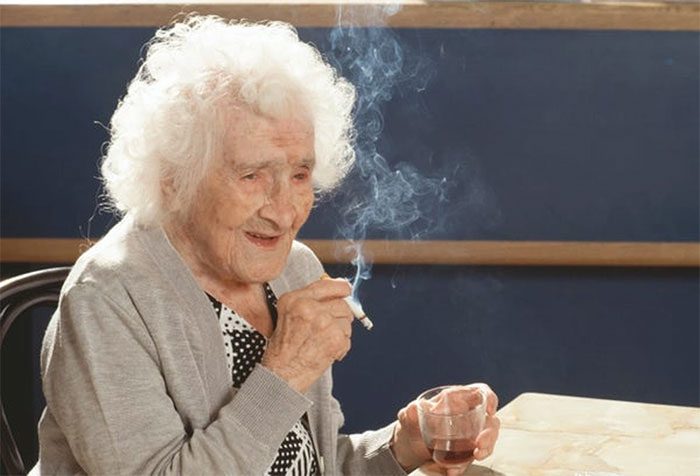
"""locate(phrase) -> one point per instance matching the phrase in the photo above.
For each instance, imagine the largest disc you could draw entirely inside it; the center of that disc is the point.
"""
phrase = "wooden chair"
(18, 295)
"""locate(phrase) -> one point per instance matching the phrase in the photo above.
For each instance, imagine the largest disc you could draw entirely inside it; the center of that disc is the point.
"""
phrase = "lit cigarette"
(359, 313)
(356, 309)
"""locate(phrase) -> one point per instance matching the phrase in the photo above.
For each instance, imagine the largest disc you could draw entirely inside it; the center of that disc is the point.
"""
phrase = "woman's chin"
(263, 269)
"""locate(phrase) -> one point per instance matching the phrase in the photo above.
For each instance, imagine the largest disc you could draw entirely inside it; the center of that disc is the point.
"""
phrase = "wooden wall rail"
(566, 14)
(491, 253)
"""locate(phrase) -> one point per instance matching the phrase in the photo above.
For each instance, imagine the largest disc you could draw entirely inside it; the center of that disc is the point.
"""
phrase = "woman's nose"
(279, 205)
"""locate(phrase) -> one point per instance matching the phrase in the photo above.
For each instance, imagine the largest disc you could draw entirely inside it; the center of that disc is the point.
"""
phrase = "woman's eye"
(302, 175)
(250, 177)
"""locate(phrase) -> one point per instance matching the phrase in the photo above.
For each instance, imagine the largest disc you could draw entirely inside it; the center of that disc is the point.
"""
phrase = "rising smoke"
(377, 197)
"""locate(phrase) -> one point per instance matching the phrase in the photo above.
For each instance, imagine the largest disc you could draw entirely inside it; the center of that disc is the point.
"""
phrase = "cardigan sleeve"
(107, 396)
(367, 453)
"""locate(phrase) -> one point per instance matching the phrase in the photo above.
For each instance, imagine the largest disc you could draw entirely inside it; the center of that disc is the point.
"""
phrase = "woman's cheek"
(252, 196)
(306, 202)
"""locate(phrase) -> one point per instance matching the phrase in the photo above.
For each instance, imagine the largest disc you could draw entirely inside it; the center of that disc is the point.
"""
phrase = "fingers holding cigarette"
(356, 309)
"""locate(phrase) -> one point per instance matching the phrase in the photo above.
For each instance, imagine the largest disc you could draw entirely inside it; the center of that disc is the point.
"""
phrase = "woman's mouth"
(262, 240)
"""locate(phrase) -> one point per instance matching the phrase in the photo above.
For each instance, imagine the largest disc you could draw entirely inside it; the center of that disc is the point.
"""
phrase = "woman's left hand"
(410, 450)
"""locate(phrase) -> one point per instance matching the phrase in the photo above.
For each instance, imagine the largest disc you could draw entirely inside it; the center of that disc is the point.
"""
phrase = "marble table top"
(548, 435)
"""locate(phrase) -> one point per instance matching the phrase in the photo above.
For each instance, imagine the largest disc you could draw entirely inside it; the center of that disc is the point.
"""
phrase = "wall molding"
(450, 253)
(569, 15)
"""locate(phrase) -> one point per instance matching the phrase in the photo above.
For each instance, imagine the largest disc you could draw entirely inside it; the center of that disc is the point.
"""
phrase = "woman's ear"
(167, 188)
(168, 193)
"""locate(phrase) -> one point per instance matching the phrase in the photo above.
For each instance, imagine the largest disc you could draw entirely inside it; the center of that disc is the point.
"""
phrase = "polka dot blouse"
(245, 347)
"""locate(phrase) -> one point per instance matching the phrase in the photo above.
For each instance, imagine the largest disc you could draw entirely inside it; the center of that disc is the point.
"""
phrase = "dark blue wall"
(560, 135)
(547, 135)
(610, 333)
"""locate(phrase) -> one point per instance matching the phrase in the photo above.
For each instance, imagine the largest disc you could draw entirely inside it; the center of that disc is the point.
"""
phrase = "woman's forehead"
(244, 120)
(279, 131)
(253, 137)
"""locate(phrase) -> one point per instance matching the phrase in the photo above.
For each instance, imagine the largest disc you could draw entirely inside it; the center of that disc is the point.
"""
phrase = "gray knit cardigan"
(135, 377)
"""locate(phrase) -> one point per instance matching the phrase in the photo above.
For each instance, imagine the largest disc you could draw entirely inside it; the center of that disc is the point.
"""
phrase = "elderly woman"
(196, 337)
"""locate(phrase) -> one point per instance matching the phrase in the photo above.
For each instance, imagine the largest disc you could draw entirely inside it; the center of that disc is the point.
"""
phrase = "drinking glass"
(450, 419)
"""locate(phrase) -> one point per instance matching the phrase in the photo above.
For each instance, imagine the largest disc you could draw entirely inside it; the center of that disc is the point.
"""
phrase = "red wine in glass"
(452, 452)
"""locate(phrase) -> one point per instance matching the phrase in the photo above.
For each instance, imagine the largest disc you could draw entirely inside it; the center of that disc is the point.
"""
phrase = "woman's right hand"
(314, 326)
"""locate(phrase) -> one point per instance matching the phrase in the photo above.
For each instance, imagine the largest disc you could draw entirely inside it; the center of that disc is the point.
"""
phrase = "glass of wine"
(450, 419)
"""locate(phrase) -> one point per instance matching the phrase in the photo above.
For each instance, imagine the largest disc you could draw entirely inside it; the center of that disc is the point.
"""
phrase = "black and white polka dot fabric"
(245, 347)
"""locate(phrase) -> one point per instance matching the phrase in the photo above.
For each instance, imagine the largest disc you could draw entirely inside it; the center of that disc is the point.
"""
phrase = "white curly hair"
(171, 123)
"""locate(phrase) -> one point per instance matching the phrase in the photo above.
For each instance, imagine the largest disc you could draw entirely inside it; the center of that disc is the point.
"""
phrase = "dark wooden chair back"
(18, 295)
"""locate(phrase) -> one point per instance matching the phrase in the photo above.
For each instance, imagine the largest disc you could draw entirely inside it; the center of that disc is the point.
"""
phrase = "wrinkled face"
(251, 204)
